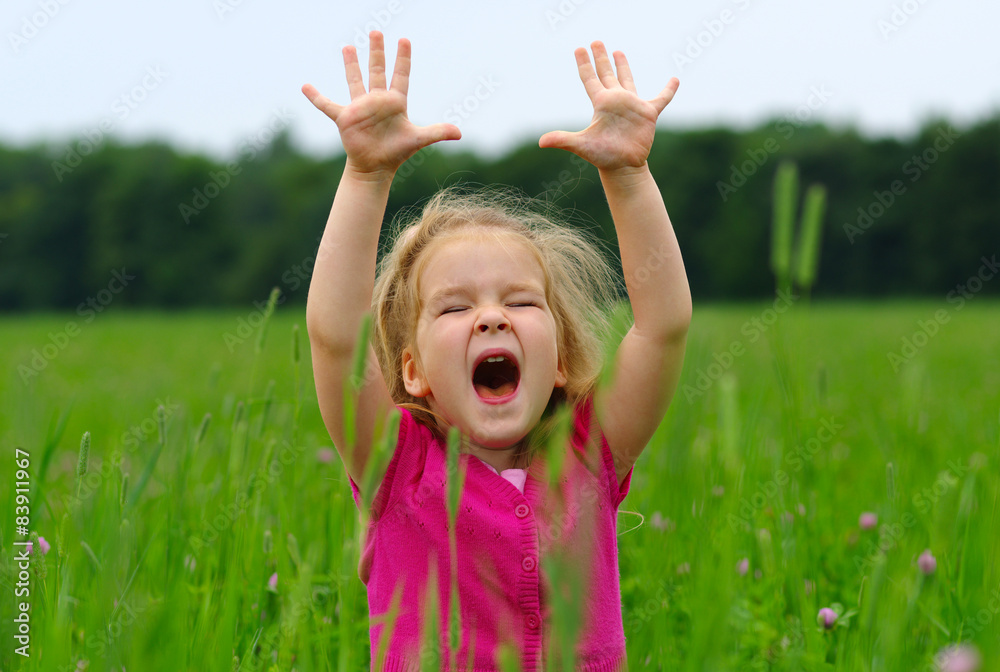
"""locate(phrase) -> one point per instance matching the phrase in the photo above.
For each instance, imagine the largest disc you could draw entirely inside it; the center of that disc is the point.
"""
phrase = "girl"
(481, 323)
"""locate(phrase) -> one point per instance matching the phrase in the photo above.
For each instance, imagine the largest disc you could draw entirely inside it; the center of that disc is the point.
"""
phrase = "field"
(235, 545)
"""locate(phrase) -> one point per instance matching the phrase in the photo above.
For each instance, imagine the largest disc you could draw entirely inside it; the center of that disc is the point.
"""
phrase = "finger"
(624, 72)
(401, 72)
(322, 103)
(603, 65)
(428, 135)
(558, 140)
(355, 83)
(587, 75)
(376, 61)
(666, 95)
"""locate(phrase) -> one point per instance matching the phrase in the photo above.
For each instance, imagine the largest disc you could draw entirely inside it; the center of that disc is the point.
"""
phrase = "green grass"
(773, 458)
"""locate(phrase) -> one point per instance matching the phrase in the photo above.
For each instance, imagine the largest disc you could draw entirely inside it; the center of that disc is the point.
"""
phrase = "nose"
(492, 319)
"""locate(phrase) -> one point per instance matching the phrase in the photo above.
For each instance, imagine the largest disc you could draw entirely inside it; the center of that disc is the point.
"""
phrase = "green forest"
(146, 225)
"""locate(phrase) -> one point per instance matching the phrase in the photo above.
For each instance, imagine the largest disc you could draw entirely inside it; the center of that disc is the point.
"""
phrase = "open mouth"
(495, 377)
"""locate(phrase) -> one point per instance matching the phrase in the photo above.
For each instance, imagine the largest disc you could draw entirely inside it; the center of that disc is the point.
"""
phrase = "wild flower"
(660, 523)
(827, 617)
(743, 566)
(958, 658)
(927, 562)
(868, 521)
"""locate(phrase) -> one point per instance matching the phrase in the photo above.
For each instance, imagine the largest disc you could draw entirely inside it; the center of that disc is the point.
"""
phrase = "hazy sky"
(211, 74)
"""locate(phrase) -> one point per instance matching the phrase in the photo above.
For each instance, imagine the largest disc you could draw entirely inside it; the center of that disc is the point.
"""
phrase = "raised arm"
(377, 137)
(649, 359)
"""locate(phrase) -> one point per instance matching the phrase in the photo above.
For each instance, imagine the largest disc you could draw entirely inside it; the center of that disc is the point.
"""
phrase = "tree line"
(904, 217)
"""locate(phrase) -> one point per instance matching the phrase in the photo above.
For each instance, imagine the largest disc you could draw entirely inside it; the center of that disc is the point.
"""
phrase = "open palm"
(622, 129)
(374, 129)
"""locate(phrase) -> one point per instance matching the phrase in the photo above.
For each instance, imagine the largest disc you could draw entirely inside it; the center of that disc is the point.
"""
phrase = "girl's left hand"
(621, 132)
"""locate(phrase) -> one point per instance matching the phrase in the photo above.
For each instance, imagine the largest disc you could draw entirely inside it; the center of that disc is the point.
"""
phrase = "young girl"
(484, 321)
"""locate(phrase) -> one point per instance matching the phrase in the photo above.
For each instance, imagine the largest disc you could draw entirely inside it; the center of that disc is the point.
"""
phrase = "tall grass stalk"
(297, 382)
(354, 383)
(82, 462)
(455, 485)
(258, 347)
(786, 196)
(810, 235)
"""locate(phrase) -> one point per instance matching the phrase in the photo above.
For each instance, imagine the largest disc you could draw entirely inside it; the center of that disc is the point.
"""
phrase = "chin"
(498, 439)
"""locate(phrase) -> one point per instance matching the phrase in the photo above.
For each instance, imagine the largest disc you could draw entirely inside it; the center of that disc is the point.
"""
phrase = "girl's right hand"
(377, 135)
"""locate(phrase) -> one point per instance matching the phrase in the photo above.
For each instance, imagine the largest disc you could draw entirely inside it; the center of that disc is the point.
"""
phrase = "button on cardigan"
(504, 540)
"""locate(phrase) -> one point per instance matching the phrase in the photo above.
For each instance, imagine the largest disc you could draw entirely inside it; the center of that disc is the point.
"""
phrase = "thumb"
(428, 135)
(559, 140)
(666, 95)
(321, 102)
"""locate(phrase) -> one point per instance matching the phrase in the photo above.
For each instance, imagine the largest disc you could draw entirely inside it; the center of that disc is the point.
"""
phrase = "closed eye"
(521, 305)
(453, 309)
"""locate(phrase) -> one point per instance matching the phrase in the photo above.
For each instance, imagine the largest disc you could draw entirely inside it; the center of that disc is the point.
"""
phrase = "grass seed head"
(81, 465)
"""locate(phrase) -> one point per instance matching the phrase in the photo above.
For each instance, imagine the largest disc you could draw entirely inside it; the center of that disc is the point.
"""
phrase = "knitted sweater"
(503, 540)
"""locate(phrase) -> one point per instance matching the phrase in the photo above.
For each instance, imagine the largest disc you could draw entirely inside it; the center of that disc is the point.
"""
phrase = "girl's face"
(485, 355)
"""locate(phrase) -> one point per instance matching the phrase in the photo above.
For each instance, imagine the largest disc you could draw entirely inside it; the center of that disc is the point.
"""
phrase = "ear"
(413, 378)
(561, 376)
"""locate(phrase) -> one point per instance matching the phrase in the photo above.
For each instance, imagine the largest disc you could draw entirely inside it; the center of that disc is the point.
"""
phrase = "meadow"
(211, 526)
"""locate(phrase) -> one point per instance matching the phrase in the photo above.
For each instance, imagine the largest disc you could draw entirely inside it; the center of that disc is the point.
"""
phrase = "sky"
(212, 76)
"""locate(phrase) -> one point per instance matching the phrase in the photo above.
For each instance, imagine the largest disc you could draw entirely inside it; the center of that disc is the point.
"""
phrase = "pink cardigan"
(502, 537)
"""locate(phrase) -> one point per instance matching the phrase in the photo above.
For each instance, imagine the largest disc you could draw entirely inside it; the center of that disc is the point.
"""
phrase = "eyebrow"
(455, 291)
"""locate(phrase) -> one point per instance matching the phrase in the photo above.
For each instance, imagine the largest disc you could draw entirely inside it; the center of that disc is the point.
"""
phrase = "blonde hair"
(580, 286)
